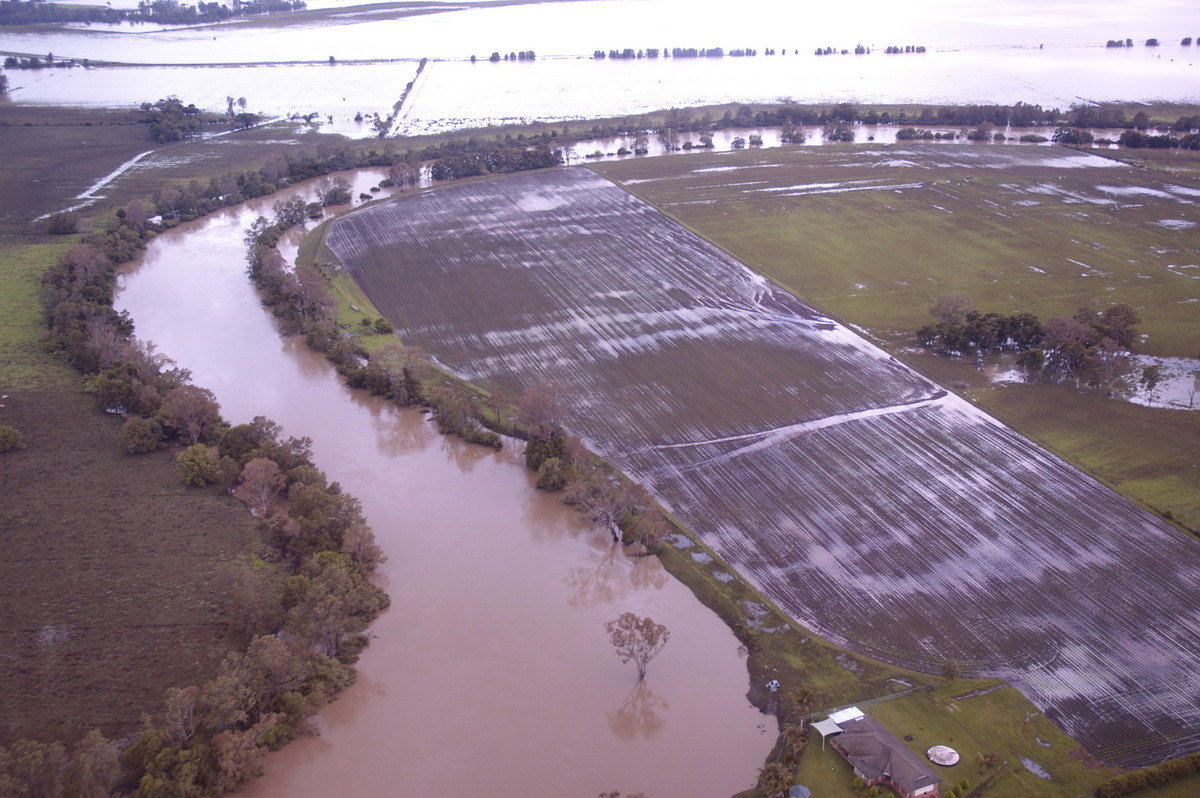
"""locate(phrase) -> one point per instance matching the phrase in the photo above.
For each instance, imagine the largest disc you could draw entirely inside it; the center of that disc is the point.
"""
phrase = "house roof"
(875, 753)
(843, 715)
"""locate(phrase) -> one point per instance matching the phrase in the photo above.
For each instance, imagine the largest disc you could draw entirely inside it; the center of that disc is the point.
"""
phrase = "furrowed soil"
(874, 235)
(862, 499)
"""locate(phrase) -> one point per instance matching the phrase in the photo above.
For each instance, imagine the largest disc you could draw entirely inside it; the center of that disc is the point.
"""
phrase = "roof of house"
(843, 715)
(875, 752)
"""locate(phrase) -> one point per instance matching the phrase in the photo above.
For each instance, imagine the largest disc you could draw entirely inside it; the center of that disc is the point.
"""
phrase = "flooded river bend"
(492, 672)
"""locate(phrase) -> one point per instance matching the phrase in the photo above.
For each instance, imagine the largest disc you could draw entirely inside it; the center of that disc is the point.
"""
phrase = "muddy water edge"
(491, 673)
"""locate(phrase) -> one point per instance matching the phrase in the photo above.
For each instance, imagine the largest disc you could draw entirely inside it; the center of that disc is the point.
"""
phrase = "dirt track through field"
(877, 510)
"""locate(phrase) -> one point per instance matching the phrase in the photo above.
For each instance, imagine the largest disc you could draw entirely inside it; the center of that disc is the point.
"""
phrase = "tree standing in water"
(638, 639)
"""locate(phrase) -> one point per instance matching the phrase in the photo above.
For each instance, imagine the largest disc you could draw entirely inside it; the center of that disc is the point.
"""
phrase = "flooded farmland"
(881, 512)
(491, 671)
(353, 61)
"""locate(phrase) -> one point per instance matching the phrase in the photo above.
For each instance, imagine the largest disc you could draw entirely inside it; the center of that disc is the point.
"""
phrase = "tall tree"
(543, 409)
(192, 411)
(262, 483)
(952, 309)
(637, 639)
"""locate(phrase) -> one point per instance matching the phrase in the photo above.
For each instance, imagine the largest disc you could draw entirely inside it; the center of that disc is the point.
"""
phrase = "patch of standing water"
(1036, 769)
(1178, 387)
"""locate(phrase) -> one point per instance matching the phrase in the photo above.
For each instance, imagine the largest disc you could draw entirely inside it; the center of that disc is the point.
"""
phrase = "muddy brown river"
(491, 673)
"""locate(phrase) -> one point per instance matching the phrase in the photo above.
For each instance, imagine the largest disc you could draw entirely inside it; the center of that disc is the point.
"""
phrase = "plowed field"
(878, 510)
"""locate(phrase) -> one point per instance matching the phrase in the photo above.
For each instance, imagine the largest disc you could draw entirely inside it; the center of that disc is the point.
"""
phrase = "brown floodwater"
(491, 673)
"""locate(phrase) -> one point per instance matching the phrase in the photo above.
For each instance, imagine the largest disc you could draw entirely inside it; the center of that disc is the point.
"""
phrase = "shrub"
(140, 435)
(552, 474)
(484, 437)
(196, 466)
(10, 438)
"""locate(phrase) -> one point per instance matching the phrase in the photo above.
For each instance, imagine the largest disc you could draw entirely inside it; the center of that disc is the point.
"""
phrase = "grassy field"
(997, 722)
(864, 502)
(112, 588)
(873, 235)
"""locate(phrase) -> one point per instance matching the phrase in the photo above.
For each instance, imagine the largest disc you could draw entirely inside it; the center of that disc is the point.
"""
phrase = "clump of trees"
(169, 119)
(1091, 348)
(601, 493)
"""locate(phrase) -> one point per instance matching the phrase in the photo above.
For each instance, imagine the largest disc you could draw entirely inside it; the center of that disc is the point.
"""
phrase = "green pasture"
(24, 365)
(999, 722)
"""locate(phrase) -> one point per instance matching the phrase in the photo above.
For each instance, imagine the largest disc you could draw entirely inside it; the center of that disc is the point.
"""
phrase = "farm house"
(879, 758)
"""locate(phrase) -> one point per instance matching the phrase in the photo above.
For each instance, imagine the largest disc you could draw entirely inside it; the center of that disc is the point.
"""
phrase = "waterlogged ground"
(877, 509)
(978, 51)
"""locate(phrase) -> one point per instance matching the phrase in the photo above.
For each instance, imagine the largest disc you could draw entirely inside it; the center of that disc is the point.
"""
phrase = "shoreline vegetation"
(315, 548)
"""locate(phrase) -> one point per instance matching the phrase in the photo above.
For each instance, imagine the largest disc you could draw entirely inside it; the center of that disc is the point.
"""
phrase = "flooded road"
(491, 673)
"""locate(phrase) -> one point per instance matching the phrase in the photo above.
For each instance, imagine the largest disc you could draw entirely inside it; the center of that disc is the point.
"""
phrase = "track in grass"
(879, 511)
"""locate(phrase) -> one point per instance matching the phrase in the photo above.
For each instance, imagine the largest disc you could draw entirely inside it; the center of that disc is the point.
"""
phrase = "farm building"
(879, 758)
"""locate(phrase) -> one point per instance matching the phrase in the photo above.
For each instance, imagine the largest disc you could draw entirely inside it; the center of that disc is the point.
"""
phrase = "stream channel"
(491, 673)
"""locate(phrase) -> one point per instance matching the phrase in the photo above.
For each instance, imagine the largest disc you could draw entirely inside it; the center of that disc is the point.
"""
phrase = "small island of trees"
(1090, 349)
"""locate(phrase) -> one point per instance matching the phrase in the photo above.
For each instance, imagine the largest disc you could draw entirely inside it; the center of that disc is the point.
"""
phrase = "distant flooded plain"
(491, 673)
(341, 66)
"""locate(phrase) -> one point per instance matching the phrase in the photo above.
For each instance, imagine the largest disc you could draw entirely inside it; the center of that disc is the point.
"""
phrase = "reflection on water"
(640, 714)
(491, 672)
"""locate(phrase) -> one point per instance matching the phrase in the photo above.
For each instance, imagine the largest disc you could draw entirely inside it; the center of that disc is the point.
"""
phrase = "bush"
(196, 466)
(10, 438)
(61, 224)
(483, 437)
(349, 649)
(552, 475)
(140, 435)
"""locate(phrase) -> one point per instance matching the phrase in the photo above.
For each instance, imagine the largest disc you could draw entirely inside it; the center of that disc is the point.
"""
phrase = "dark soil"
(111, 586)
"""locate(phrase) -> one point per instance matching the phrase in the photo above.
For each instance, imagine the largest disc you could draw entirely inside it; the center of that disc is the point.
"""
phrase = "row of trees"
(34, 62)
(301, 604)
(1160, 775)
(1091, 348)
(563, 463)
(524, 55)
(682, 52)
(1185, 42)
